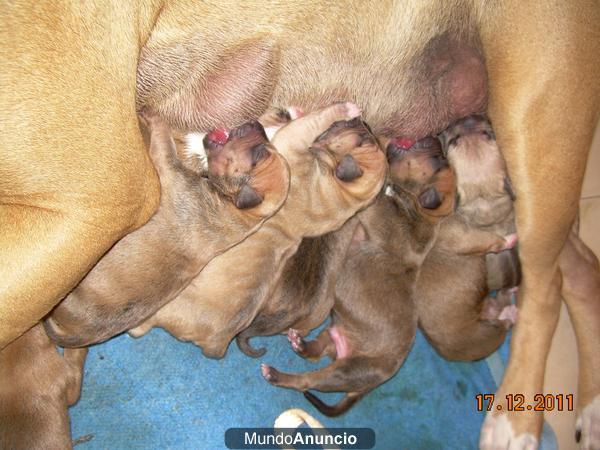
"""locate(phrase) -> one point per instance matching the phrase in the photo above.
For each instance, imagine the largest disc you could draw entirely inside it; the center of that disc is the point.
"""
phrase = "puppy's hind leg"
(314, 350)
(356, 375)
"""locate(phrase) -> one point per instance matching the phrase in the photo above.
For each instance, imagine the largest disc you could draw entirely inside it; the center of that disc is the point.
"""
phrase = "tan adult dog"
(37, 385)
(332, 178)
(75, 175)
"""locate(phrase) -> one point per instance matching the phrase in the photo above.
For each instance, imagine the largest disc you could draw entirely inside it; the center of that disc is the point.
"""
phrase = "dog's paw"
(497, 434)
(269, 373)
(296, 341)
(587, 427)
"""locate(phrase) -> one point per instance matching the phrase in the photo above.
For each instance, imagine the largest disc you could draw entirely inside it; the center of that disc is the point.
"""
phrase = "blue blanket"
(158, 393)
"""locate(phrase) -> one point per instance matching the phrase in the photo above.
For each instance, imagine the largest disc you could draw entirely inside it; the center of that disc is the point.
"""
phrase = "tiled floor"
(561, 370)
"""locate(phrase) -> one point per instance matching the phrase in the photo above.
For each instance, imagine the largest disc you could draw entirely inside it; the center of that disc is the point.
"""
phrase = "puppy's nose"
(348, 169)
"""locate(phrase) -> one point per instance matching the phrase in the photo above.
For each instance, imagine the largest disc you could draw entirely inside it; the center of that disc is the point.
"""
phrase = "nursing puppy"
(456, 313)
(200, 216)
(37, 385)
(336, 170)
(374, 318)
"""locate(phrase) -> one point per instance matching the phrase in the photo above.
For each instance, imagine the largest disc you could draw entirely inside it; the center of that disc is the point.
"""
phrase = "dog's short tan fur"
(37, 385)
(226, 296)
(75, 175)
(455, 312)
(198, 218)
(374, 317)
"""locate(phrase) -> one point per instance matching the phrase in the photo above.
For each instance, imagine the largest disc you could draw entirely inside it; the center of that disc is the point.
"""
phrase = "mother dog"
(75, 176)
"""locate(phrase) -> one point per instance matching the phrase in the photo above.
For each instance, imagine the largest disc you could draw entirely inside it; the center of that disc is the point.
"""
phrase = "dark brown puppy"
(37, 385)
(304, 296)
(336, 171)
(374, 317)
(456, 314)
(199, 217)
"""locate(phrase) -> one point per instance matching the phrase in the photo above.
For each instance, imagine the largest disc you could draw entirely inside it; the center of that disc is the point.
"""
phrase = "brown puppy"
(75, 175)
(332, 178)
(456, 314)
(37, 385)
(374, 317)
(304, 296)
(198, 218)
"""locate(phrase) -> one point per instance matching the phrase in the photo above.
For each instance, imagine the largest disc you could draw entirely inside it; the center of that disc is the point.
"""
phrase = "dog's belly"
(414, 98)
(408, 83)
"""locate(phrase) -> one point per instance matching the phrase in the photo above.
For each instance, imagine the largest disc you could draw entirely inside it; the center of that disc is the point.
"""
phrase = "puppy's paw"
(269, 373)
(505, 243)
(350, 110)
(296, 341)
(243, 166)
(587, 427)
(497, 434)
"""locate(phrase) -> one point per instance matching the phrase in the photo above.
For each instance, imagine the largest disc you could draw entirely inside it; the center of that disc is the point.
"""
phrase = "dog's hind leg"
(581, 291)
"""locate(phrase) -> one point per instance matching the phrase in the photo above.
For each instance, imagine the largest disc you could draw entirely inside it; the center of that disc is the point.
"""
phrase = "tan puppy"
(75, 175)
(374, 317)
(332, 178)
(37, 385)
(198, 218)
(455, 312)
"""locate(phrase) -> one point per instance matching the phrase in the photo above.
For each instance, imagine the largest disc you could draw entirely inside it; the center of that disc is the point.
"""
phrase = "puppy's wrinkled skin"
(37, 385)
(455, 312)
(374, 317)
(228, 294)
(198, 219)
(75, 175)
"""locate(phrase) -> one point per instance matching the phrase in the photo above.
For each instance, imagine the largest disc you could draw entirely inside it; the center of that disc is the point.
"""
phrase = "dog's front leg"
(544, 106)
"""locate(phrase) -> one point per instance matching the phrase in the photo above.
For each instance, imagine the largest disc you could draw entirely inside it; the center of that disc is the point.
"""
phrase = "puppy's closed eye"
(430, 199)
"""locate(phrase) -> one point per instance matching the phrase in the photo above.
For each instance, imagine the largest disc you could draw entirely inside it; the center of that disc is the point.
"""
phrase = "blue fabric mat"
(157, 393)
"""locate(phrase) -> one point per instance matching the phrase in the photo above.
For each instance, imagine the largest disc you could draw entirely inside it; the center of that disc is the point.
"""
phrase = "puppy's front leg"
(464, 240)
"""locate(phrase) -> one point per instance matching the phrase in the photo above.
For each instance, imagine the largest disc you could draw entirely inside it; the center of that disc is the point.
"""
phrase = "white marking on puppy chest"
(195, 147)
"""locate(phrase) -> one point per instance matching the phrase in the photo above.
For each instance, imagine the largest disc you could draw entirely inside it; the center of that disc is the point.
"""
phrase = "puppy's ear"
(430, 199)
(509, 189)
(247, 198)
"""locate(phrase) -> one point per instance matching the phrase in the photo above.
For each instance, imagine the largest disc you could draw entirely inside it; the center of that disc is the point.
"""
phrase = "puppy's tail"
(243, 342)
(339, 408)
